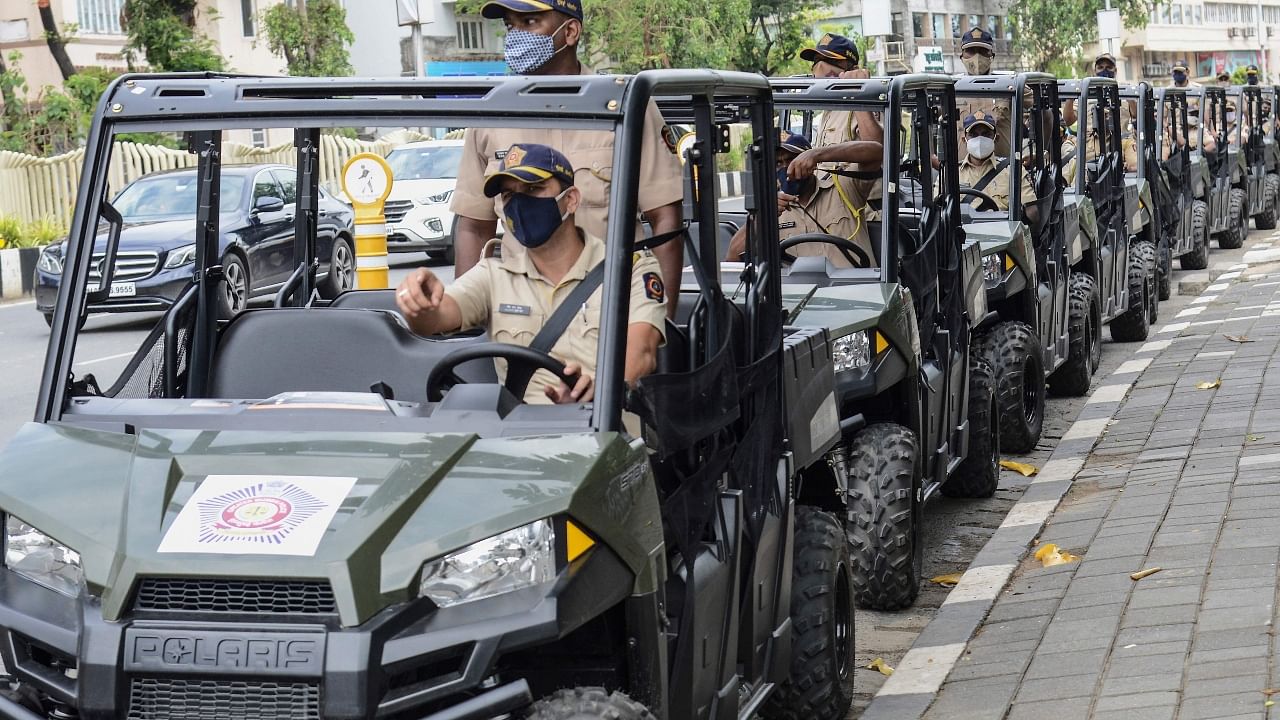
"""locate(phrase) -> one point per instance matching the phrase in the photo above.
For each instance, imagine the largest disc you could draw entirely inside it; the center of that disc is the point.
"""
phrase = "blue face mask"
(1107, 73)
(533, 220)
(787, 185)
(1179, 77)
(1253, 79)
(525, 51)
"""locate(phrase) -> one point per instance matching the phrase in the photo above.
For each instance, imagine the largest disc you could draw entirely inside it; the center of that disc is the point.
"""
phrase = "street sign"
(930, 59)
(1109, 27)
(367, 179)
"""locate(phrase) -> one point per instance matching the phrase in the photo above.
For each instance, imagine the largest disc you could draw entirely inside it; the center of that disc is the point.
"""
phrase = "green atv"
(918, 410)
(1027, 334)
(1222, 170)
(1257, 178)
(1144, 202)
(1097, 203)
(1186, 219)
(311, 512)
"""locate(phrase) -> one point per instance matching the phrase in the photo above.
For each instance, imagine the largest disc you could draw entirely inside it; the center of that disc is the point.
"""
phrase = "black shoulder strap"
(518, 376)
(985, 180)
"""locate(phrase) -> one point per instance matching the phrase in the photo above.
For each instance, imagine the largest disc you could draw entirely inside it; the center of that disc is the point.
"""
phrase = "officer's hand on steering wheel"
(581, 391)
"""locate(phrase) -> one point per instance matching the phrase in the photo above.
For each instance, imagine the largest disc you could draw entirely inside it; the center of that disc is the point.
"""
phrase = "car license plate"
(123, 289)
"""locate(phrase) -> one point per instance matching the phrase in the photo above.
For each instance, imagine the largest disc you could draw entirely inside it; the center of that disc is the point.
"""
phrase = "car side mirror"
(268, 204)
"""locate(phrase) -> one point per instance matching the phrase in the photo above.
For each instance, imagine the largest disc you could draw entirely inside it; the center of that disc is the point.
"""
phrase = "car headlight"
(993, 267)
(852, 351)
(41, 559)
(436, 199)
(180, 256)
(50, 260)
(511, 561)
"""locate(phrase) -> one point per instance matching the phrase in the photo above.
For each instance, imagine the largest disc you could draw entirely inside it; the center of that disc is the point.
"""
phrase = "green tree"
(647, 34)
(1046, 31)
(311, 35)
(163, 32)
(773, 33)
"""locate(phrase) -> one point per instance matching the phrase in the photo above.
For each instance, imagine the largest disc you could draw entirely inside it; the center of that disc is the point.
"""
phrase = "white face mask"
(981, 147)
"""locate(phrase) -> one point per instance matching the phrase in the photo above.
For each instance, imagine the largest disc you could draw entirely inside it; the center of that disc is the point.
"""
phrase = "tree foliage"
(311, 35)
(163, 32)
(1046, 31)
(647, 34)
(773, 33)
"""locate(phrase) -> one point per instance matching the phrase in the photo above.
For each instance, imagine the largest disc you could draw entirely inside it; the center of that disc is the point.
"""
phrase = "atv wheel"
(979, 473)
(1234, 237)
(1015, 355)
(590, 703)
(1147, 251)
(1164, 272)
(884, 517)
(1133, 325)
(1072, 378)
(1198, 258)
(1267, 219)
(821, 683)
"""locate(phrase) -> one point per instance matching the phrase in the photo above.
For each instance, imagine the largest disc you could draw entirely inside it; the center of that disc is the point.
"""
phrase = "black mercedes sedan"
(157, 242)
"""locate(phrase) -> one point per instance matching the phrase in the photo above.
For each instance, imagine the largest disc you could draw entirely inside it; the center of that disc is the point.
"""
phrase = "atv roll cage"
(203, 105)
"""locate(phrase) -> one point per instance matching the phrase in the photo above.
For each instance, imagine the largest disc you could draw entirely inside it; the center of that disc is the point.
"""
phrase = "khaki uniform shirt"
(972, 171)
(992, 107)
(590, 152)
(830, 210)
(512, 299)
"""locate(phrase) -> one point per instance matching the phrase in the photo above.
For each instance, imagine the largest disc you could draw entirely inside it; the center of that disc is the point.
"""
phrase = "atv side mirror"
(268, 203)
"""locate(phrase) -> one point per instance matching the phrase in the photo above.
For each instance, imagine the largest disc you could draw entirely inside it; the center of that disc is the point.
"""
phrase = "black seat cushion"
(367, 300)
(266, 352)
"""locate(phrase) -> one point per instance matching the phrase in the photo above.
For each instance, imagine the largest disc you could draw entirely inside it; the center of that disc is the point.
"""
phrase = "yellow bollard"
(367, 180)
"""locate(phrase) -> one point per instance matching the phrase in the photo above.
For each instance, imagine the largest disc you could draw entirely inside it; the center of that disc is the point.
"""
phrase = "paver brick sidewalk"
(1184, 479)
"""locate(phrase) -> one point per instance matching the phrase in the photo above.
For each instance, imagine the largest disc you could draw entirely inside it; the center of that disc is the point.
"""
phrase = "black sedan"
(157, 243)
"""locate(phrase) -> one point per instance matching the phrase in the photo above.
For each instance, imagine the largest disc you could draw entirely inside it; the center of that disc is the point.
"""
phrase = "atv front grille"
(166, 699)
(303, 597)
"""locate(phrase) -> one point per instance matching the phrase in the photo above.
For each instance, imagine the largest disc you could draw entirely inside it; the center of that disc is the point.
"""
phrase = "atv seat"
(263, 353)
(367, 300)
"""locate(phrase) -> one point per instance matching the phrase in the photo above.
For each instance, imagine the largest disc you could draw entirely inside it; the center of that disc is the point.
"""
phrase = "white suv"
(417, 211)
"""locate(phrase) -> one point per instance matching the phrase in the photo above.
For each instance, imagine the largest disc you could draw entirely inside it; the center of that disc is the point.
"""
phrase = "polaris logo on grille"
(226, 653)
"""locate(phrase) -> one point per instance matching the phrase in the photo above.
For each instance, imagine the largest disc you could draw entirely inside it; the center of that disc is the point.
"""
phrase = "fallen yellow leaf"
(1207, 385)
(880, 665)
(1144, 573)
(948, 580)
(1269, 703)
(1022, 469)
(1238, 338)
(1050, 555)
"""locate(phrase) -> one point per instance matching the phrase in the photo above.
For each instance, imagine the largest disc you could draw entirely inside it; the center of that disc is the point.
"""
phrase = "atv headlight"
(852, 351)
(41, 559)
(993, 267)
(50, 260)
(180, 256)
(513, 560)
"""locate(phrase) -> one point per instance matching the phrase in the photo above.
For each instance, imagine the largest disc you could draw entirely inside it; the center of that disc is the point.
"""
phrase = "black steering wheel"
(856, 256)
(522, 362)
(988, 203)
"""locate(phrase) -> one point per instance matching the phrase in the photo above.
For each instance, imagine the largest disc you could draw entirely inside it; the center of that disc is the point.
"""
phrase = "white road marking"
(1108, 393)
(980, 583)
(1155, 346)
(105, 359)
(1087, 429)
(1204, 299)
(1217, 287)
(26, 303)
(1190, 312)
(1132, 366)
(922, 670)
(1219, 354)
(1173, 328)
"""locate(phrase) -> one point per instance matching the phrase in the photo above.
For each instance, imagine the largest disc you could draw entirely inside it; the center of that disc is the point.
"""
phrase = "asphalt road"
(104, 348)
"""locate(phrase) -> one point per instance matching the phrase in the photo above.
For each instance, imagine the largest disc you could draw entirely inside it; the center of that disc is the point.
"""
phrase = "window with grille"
(100, 17)
(470, 35)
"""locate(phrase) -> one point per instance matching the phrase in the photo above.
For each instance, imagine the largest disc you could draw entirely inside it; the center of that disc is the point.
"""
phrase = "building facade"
(1212, 37)
(926, 33)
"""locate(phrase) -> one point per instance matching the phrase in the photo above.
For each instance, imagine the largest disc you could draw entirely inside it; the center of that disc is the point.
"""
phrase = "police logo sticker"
(514, 156)
(257, 515)
(653, 287)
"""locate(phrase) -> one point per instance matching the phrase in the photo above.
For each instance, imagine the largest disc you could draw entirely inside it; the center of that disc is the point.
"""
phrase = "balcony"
(951, 46)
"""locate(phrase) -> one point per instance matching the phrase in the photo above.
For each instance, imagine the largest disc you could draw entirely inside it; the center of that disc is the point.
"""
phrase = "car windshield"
(173, 196)
(425, 163)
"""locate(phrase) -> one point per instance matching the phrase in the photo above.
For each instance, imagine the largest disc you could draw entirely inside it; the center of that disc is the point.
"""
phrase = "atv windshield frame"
(1100, 101)
(202, 105)
(929, 195)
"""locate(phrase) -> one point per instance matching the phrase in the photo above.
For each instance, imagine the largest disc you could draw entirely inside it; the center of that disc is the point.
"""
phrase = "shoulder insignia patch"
(653, 287)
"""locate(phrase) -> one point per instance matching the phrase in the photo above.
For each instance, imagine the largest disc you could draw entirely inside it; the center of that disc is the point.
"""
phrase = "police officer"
(542, 39)
(1251, 75)
(836, 205)
(977, 52)
(837, 56)
(1224, 80)
(1181, 78)
(983, 170)
(513, 296)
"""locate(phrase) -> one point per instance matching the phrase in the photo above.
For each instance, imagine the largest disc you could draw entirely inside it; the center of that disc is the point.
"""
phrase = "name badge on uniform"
(509, 309)
(786, 225)
(500, 155)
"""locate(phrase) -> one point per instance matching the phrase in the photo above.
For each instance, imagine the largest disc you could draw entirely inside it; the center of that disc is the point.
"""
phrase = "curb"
(908, 693)
(17, 272)
(730, 184)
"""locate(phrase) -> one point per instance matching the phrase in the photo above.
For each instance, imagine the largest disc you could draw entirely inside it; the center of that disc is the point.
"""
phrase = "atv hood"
(392, 501)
